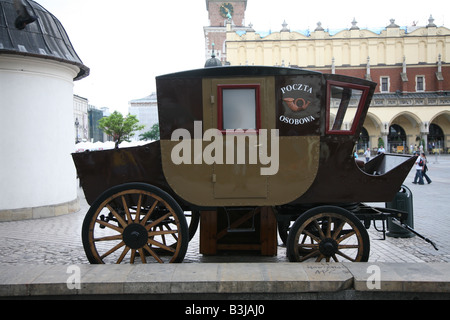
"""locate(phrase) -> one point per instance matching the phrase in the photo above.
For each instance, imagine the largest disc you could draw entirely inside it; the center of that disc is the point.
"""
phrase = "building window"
(420, 83)
(238, 107)
(384, 84)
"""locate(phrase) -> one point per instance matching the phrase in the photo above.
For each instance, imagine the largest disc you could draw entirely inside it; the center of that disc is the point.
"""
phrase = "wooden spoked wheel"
(135, 223)
(326, 234)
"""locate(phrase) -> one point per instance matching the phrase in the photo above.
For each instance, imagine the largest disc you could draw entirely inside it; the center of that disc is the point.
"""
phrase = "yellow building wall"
(347, 47)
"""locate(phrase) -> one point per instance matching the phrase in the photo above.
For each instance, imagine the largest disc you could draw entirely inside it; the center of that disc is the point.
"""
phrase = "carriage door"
(236, 110)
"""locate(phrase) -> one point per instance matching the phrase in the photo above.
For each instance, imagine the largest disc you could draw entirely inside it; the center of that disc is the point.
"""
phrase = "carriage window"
(238, 107)
(345, 103)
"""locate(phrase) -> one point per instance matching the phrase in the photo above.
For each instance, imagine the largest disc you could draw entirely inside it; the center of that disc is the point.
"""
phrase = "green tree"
(153, 134)
(119, 127)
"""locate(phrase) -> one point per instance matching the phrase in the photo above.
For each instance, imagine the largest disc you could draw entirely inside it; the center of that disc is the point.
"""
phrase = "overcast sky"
(127, 43)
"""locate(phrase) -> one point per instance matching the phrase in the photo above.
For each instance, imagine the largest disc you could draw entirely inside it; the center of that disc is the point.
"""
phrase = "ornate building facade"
(411, 65)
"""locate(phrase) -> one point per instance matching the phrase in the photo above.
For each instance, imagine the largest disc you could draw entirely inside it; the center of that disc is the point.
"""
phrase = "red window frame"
(220, 89)
(360, 107)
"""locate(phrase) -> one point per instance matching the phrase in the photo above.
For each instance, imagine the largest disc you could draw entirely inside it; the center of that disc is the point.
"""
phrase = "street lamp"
(77, 124)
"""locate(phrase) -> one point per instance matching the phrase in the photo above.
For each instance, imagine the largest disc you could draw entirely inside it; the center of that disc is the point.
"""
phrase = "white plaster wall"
(36, 132)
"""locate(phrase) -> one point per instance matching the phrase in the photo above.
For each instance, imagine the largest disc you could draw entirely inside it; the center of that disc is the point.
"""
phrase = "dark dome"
(213, 61)
(44, 38)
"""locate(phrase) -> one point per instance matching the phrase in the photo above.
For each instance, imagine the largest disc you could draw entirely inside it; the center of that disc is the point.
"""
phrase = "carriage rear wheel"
(135, 223)
(327, 234)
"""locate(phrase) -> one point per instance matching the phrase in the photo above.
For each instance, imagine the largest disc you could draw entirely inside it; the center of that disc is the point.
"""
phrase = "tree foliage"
(119, 127)
(153, 134)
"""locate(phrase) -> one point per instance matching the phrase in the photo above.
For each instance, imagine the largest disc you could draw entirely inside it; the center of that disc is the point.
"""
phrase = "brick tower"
(220, 14)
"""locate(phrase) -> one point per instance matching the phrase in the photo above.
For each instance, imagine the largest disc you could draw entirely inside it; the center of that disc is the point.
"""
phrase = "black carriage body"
(322, 169)
(303, 170)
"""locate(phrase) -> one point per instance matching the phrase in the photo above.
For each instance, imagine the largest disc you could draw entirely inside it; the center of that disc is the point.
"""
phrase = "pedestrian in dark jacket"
(425, 168)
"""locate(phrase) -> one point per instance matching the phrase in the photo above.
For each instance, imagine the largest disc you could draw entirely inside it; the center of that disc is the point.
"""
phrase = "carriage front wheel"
(135, 223)
(328, 233)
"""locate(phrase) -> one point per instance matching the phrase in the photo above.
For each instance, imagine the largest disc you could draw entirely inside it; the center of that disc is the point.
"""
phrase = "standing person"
(419, 165)
(425, 168)
(367, 155)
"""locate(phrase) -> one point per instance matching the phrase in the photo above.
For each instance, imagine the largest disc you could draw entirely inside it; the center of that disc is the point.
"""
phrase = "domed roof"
(213, 61)
(44, 38)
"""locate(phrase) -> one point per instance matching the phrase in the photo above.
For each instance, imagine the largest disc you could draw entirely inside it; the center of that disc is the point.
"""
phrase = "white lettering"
(74, 280)
(213, 311)
(244, 310)
(213, 152)
(198, 130)
(240, 136)
(297, 87)
(273, 160)
(296, 121)
(374, 280)
(181, 153)
(235, 142)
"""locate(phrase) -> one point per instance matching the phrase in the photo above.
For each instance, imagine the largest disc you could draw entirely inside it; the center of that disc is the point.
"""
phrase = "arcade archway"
(370, 133)
(436, 139)
(404, 132)
(397, 139)
(363, 141)
(439, 133)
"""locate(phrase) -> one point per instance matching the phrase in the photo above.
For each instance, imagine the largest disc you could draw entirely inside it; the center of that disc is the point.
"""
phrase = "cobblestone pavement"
(58, 240)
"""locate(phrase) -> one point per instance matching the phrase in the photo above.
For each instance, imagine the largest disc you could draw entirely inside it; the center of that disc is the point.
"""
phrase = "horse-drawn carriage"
(245, 140)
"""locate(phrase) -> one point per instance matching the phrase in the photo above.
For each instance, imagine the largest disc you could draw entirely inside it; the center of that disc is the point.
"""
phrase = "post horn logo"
(294, 106)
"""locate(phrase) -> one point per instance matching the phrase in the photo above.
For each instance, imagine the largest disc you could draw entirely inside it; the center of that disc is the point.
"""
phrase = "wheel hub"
(328, 247)
(135, 236)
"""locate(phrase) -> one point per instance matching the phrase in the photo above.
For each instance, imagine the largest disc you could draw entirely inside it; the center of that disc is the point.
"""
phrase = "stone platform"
(228, 281)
